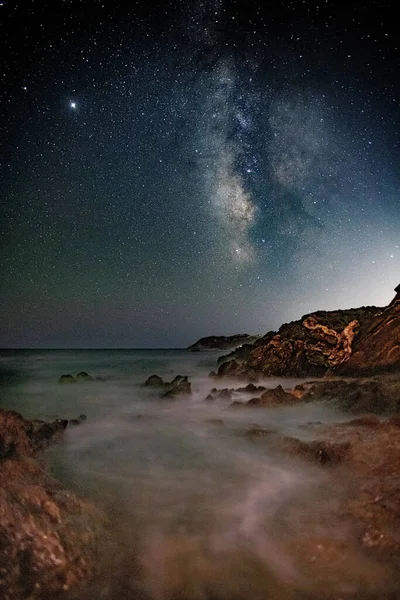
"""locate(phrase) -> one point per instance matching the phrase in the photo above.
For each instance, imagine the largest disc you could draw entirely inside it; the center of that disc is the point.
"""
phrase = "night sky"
(192, 168)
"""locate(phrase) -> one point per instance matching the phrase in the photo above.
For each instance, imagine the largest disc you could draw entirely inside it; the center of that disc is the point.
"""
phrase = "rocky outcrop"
(310, 346)
(274, 397)
(221, 342)
(179, 386)
(47, 534)
(377, 350)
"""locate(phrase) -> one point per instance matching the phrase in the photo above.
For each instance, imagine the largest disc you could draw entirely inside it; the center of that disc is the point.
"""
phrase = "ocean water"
(197, 509)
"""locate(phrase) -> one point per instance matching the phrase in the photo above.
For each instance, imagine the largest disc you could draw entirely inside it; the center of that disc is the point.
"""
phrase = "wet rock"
(47, 433)
(219, 394)
(229, 369)
(67, 379)
(251, 389)
(215, 421)
(274, 397)
(180, 386)
(154, 381)
(237, 404)
(83, 376)
(74, 422)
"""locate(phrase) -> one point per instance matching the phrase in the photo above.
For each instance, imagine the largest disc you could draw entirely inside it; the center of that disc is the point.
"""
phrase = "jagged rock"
(251, 389)
(180, 386)
(221, 342)
(67, 379)
(273, 397)
(239, 354)
(47, 433)
(154, 381)
(237, 404)
(75, 422)
(228, 369)
(220, 394)
(310, 346)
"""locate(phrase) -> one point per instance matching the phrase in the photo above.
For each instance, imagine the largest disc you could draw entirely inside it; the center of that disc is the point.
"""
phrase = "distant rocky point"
(221, 342)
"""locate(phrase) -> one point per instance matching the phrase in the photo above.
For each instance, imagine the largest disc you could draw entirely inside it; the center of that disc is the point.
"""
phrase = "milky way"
(188, 169)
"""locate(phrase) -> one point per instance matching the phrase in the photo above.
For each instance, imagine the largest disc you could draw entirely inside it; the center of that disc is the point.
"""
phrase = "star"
(73, 105)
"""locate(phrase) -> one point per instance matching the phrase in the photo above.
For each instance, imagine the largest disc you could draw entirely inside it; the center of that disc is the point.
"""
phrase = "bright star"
(72, 105)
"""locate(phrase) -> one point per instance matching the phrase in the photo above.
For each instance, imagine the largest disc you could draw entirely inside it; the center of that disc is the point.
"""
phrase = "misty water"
(195, 508)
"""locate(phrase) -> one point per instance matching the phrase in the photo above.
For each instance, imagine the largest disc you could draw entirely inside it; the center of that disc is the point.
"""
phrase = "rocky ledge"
(47, 534)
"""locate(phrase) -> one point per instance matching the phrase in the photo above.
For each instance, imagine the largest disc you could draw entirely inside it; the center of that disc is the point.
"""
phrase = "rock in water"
(67, 379)
(274, 397)
(154, 381)
(83, 376)
(180, 386)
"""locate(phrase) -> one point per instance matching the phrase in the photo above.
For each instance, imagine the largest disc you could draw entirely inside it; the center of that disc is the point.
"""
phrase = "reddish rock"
(274, 397)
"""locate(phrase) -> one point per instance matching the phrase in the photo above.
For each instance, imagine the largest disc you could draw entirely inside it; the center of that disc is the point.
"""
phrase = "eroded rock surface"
(47, 534)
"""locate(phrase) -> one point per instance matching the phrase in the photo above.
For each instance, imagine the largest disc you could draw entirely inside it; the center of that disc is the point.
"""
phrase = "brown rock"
(273, 397)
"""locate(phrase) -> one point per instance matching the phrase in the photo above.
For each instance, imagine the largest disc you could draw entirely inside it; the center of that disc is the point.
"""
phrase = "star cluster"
(181, 169)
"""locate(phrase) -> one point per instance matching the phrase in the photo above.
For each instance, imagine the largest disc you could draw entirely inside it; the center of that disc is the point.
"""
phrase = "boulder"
(83, 376)
(274, 397)
(154, 381)
(180, 386)
(67, 379)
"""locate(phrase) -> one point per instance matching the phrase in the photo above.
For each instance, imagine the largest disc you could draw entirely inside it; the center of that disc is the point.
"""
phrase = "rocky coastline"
(49, 537)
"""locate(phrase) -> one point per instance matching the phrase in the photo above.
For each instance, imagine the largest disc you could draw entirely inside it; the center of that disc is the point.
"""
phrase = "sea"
(199, 506)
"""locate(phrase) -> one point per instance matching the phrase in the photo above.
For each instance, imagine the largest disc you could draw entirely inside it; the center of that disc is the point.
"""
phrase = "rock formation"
(377, 349)
(179, 386)
(308, 347)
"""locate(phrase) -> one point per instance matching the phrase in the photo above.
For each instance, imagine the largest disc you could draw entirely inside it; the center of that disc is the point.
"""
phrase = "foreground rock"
(47, 534)
(179, 386)
(221, 342)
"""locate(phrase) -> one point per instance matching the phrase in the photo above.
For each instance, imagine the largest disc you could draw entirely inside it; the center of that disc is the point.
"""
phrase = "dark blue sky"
(193, 168)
